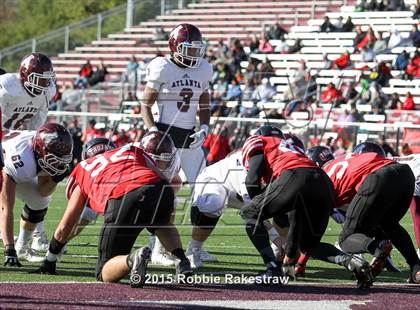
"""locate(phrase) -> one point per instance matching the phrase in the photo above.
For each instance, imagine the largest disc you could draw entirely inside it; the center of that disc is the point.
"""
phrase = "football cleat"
(28, 254)
(300, 270)
(40, 243)
(204, 255)
(381, 254)
(183, 271)
(390, 266)
(195, 258)
(361, 270)
(160, 256)
(273, 270)
(138, 261)
(278, 252)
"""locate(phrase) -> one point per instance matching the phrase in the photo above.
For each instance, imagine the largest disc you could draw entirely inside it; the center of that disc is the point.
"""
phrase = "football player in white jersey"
(34, 163)
(219, 186)
(179, 84)
(414, 162)
(24, 100)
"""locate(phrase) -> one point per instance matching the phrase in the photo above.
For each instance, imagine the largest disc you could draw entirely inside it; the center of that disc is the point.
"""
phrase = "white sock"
(24, 237)
(196, 244)
(158, 248)
(39, 229)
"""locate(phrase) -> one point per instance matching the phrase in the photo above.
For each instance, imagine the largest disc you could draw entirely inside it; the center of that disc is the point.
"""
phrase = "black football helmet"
(97, 146)
(53, 146)
(269, 131)
(369, 147)
(320, 154)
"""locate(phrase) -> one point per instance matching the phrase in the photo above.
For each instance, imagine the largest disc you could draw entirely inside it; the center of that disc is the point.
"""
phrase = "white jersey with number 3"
(19, 156)
(19, 109)
(179, 90)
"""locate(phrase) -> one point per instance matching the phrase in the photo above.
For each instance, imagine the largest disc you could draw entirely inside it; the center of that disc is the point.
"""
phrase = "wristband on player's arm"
(54, 249)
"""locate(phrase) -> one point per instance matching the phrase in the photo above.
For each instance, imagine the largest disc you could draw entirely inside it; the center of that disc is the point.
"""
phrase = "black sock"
(261, 241)
(179, 253)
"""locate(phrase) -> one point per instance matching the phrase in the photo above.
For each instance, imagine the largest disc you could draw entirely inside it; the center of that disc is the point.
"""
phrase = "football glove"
(47, 267)
(249, 211)
(199, 137)
(10, 256)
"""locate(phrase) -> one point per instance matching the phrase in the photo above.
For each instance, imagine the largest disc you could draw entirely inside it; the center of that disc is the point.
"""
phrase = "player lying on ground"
(127, 186)
(24, 99)
(179, 85)
(294, 187)
(217, 187)
(34, 163)
(378, 191)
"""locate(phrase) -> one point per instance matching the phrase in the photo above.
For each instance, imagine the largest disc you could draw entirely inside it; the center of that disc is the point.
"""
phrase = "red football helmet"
(53, 146)
(186, 45)
(160, 147)
(36, 73)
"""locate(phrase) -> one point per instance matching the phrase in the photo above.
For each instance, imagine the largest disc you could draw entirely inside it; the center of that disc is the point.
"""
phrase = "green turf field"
(229, 242)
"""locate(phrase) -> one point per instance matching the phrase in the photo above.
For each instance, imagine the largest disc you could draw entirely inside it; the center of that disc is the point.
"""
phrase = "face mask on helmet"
(55, 165)
(37, 83)
(167, 163)
(190, 54)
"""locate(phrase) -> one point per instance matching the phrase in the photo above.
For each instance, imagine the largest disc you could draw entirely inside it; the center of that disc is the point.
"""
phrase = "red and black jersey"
(111, 175)
(280, 155)
(348, 173)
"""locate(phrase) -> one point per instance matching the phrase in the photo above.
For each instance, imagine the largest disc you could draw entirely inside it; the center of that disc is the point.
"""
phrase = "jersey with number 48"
(348, 173)
(111, 175)
(18, 107)
(280, 155)
(19, 156)
(179, 90)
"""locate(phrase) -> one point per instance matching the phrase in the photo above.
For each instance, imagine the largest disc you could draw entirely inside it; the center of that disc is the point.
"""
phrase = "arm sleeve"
(256, 165)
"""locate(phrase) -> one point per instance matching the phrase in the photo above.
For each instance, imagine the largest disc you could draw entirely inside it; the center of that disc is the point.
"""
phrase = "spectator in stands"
(219, 92)
(416, 14)
(395, 39)
(380, 46)
(265, 70)
(234, 91)
(283, 47)
(328, 64)
(414, 37)
(276, 31)
(381, 74)
(413, 68)
(396, 5)
(378, 99)
(238, 138)
(265, 46)
(394, 102)
(264, 93)
(295, 90)
(367, 54)
(250, 71)
(330, 94)
(160, 34)
(409, 103)
(131, 72)
(402, 61)
(222, 72)
(339, 24)
(99, 75)
(295, 48)
(361, 6)
(84, 74)
(238, 53)
(359, 36)
(248, 90)
(217, 144)
(348, 25)
(368, 40)
(349, 92)
(327, 26)
(90, 132)
(254, 44)
(223, 49)
(406, 150)
(343, 62)
(389, 151)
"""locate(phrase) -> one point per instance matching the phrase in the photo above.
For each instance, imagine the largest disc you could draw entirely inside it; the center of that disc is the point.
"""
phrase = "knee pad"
(33, 216)
(201, 220)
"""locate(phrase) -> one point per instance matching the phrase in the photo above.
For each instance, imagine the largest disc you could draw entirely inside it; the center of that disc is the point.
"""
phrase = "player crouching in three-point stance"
(282, 180)
(378, 191)
(34, 163)
(127, 186)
